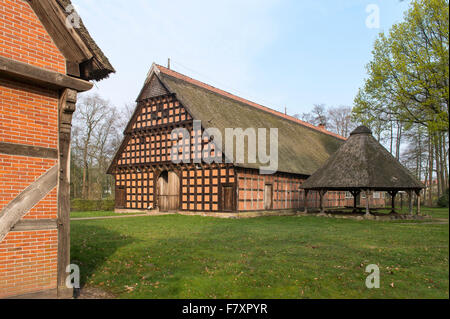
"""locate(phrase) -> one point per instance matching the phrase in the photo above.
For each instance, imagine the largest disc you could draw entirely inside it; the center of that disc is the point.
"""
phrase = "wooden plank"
(23, 72)
(268, 191)
(28, 150)
(73, 69)
(66, 108)
(35, 224)
(26, 200)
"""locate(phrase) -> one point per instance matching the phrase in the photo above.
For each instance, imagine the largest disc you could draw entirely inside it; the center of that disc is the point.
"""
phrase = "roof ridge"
(209, 87)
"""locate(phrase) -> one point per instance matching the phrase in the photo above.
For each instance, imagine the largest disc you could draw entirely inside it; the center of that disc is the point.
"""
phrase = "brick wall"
(28, 115)
(286, 193)
(285, 190)
(28, 262)
(23, 38)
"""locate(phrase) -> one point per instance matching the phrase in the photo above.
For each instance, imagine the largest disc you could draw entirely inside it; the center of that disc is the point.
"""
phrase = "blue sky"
(278, 53)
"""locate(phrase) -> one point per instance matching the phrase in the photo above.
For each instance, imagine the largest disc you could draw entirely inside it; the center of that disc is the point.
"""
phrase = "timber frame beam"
(26, 200)
(67, 104)
(28, 150)
(26, 73)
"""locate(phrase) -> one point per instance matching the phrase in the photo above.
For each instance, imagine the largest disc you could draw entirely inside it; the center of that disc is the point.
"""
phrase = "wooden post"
(67, 102)
(401, 202)
(418, 202)
(305, 203)
(355, 195)
(321, 193)
(367, 202)
(393, 193)
(410, 194)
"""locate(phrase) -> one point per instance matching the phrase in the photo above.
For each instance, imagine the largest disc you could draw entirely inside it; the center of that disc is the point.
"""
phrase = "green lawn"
(177, 256)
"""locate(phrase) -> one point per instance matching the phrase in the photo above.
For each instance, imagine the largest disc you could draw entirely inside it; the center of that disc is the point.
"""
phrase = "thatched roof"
(302, 147)
(362, 163)
(101, 67)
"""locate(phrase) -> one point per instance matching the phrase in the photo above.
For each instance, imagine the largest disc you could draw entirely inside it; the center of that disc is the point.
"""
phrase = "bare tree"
(319, 114)
(94, 122)
(340, 120)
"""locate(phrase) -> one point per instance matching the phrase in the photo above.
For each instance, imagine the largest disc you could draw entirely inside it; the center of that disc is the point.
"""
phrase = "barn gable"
(141, 147)
(153, 87)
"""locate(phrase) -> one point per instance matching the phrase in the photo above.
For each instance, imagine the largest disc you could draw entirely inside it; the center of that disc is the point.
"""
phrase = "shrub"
(443, 200)
(85, 205)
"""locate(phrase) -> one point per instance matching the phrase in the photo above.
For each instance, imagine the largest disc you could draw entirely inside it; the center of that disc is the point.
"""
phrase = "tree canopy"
(408, 76)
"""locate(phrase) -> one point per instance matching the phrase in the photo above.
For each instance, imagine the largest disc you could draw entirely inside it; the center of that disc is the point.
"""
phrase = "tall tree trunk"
(425, 191)
(391, 136)
(430, 170)
(398, 140)
(443, 163)
(84, 187)
(419, 155)
(445, 157)
(438, 169)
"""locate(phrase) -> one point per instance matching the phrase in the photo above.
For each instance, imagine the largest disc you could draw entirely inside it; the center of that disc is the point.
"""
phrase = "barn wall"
(286, 193)
(28, 116)
(199, 188)
(202, 188)
(147, 151)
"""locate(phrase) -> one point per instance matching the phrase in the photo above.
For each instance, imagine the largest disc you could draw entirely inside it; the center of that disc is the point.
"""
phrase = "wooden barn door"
(121, 197)
(268, 196)
(168, 191)
(227, 198)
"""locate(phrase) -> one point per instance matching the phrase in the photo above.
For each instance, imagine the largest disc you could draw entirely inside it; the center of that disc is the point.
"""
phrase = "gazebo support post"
(355, 195)
(418, 201)
(393, 193)
(367, 202)
(321, 193)
(306, 201)
(410, 194)
(401, 202)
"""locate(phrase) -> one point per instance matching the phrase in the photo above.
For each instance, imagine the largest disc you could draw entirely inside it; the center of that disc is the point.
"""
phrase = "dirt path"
(120, 216)
(94, 293)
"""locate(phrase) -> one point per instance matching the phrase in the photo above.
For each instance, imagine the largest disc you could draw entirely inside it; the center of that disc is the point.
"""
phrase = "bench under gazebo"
(363, 165)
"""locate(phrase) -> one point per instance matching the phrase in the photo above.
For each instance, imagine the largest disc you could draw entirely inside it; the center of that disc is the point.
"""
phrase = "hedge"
(443, 200)
(85, 205)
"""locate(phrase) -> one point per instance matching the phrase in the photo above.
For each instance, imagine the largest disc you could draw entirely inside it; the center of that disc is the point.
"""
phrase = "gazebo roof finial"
(361, 130)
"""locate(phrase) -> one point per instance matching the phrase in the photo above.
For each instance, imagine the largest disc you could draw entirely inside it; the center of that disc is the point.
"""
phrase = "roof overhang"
(30, 74)
(84, 59)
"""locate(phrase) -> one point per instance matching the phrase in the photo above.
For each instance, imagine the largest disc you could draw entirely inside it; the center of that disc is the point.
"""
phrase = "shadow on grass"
(92, 245)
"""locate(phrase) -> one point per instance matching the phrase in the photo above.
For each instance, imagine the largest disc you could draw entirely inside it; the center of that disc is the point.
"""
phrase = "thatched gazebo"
(362, 164)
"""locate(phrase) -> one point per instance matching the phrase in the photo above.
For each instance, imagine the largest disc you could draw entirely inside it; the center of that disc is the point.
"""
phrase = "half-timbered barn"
(148, 175)
(46, 57)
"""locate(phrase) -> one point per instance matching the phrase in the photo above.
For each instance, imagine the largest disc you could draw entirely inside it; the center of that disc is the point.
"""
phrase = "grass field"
(177, 256)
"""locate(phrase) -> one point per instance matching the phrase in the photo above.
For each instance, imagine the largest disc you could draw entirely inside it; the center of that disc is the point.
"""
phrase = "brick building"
(46, 57)
(147, 175)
